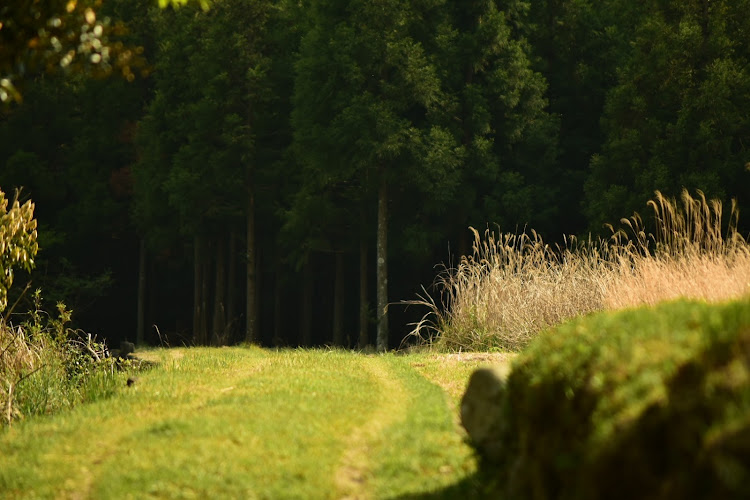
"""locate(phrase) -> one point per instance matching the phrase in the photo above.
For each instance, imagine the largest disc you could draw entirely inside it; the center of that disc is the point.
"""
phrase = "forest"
(287, 172)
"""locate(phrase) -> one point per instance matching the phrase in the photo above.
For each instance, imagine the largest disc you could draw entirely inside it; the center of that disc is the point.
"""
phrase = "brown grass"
(19, 358)
(687, 256)
(514, 285)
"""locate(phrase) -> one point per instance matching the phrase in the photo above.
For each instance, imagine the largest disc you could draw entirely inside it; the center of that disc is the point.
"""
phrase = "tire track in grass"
(107, 447)
(389, 407)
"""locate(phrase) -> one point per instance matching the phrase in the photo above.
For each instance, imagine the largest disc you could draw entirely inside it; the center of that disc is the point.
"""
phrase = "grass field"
(252, 423)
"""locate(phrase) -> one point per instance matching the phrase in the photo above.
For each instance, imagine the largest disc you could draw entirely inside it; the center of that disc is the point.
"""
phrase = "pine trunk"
(277, 310)
(141, 319)
(382, 264)
(305, 327)
(199, 302)
(232, 287)
(338, 301)
(205, 272)
(363, 305)
(219, 320)
(251, 334)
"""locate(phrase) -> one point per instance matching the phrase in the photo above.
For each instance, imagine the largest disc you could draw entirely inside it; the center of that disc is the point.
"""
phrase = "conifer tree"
(363, 89)
(676, 117)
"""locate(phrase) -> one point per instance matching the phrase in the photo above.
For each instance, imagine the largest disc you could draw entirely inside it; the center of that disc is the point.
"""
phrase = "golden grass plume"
(513, 286)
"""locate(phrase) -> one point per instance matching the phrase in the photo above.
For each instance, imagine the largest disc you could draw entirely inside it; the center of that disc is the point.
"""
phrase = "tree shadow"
(475, 487)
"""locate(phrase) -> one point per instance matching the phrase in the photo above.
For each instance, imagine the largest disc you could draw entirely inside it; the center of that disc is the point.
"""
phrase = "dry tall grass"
(514, 286)
(19, 359)
(687, 256)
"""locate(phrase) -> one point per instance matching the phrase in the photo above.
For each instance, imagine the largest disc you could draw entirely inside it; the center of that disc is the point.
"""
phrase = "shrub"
(46, 366)
(645, 403)
(18, 245)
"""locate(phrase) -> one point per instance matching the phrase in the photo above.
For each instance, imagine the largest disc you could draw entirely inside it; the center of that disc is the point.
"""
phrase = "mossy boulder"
(645, 403)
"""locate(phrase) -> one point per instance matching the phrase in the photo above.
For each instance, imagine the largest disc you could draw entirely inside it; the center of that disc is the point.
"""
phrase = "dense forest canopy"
(280, 172)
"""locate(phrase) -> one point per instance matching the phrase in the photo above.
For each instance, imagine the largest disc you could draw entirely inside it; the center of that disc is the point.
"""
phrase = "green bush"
(45, 366)
(18, 245)
(644, 403)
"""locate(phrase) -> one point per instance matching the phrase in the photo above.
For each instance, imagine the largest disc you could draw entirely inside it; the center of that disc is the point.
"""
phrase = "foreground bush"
(646, 403)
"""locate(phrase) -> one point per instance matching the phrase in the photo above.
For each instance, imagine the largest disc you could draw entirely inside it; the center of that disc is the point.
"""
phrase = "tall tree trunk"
(363, 305)
(277, 316)
(232, 286)
(152, 305)
(205, 273)
(305, 325)
(199, 302)
(258, 295)
(219, 319)
(141, 319)
(338, 301)
(251, 334)
(382, 264)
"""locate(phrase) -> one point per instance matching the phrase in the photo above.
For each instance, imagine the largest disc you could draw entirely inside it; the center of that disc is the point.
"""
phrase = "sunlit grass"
(249, 423)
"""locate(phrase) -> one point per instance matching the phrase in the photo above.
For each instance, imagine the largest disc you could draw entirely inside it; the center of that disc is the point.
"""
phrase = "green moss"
(645, 403)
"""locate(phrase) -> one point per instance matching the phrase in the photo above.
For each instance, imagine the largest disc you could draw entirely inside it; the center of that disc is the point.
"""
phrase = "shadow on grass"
(476, 486)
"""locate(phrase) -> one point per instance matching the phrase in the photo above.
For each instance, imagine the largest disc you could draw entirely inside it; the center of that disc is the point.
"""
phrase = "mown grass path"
(355, 470)
(252, 423)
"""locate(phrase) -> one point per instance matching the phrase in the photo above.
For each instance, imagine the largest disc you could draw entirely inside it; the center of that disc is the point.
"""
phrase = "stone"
(482, 411)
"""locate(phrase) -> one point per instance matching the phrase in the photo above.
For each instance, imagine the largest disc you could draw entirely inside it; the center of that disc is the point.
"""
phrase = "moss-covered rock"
(646, 403)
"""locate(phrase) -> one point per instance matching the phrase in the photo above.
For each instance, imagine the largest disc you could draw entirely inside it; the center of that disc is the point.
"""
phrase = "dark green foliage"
(495, 109)
(646, 403)
(212, 143)
(69, 146)
(195, 133)
(364, 85)
(674, 118)
(557, 115)
(578, 45)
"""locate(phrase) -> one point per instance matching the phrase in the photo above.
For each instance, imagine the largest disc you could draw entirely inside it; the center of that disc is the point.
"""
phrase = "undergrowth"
(514, 286)
(46, 366)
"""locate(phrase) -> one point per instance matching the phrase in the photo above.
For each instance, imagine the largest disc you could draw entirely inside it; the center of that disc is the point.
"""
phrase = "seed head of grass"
(513, 286)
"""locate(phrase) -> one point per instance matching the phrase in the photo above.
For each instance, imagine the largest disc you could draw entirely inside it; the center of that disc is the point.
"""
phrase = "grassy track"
(250, 423)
